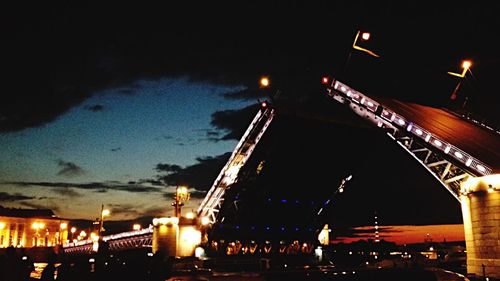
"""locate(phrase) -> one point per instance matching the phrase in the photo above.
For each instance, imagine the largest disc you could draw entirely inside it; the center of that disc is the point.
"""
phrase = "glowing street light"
(72, 230)
(466, 64)
(365, 36)
(181, 195)
(62, 227)
(205, 220)
(104, 213)
(264, 82)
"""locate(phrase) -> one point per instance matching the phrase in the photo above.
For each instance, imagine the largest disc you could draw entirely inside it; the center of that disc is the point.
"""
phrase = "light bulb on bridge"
(264, 82)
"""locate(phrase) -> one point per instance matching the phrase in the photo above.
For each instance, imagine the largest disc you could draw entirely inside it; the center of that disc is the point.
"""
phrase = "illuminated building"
(31, 228)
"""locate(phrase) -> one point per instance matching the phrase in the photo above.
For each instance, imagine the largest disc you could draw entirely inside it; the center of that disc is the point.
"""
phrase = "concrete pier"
(175, 237)
(481, 215)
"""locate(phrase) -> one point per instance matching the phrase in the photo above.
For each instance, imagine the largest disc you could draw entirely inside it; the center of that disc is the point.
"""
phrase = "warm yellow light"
(63, 225)
(73, 229)
(190, 215)
(264, 82)
(488, 183)
(466, 64)
(205, 220)
(94, 236)
(2, 225)
(105, 212)
(83, 233)
(136, 226)
(364, 36)
(38, 225)
(166, 221)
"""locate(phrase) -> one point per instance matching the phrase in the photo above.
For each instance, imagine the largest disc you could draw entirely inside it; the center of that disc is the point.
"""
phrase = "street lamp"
(62, 227)
(181, 196)
(466, 64)
(104, 213)
(73, 230)
(365, 36)
(264, 82)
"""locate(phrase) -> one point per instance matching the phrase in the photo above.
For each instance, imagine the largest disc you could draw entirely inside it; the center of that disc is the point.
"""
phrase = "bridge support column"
(175, 237)
(481, 215)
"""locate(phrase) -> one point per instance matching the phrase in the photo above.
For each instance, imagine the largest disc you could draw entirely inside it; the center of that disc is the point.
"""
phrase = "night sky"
(117, 103)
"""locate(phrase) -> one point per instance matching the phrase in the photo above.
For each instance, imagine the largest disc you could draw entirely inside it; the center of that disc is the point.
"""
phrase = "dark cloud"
(96, 186)
(362, 232)
(125, 209)
(53, 63)
(8, 197)
(69, 169)
(66, 192)
(211, 135)
(32, 205)
(116, 149)
(137, 211)
(168, 168)
(233, 122)
(199, 176)
(95, 108)
(200, 194)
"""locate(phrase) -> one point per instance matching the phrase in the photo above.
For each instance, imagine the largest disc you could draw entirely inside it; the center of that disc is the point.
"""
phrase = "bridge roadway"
(481, 142)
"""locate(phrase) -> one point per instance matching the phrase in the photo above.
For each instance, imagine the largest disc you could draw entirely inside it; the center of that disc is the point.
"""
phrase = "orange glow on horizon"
(409, 234)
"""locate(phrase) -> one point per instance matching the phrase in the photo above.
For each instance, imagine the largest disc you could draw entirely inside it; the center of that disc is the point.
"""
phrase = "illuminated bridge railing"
(120, 241)
(431, 151)
(212, 202)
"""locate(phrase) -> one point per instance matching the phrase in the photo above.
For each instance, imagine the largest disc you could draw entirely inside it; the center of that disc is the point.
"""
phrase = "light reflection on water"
(39, 266)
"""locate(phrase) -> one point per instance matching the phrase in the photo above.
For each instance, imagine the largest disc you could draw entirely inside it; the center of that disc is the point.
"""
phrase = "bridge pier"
(175, 237)
(480, 199)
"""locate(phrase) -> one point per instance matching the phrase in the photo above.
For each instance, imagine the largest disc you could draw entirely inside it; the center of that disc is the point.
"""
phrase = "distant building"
(31, 228)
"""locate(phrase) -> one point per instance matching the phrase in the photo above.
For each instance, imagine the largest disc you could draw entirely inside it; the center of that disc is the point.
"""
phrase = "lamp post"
(466, 64)
(73, 230)
(365, 36)
(62, 228)
(360, 36)
(104, 213)
(181, 196)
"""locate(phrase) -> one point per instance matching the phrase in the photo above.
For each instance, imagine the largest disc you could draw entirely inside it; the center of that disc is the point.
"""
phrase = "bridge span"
(462, 155)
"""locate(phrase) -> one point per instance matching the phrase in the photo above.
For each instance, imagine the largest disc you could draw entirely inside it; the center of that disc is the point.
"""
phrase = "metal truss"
(447, 173)
(144, 241)
(210, 206)
(295, 247)
(84, 249)
(117, 242)
(446, 163)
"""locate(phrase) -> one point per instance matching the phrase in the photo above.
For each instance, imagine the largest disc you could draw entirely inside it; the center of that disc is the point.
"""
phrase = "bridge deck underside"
(480, 142)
